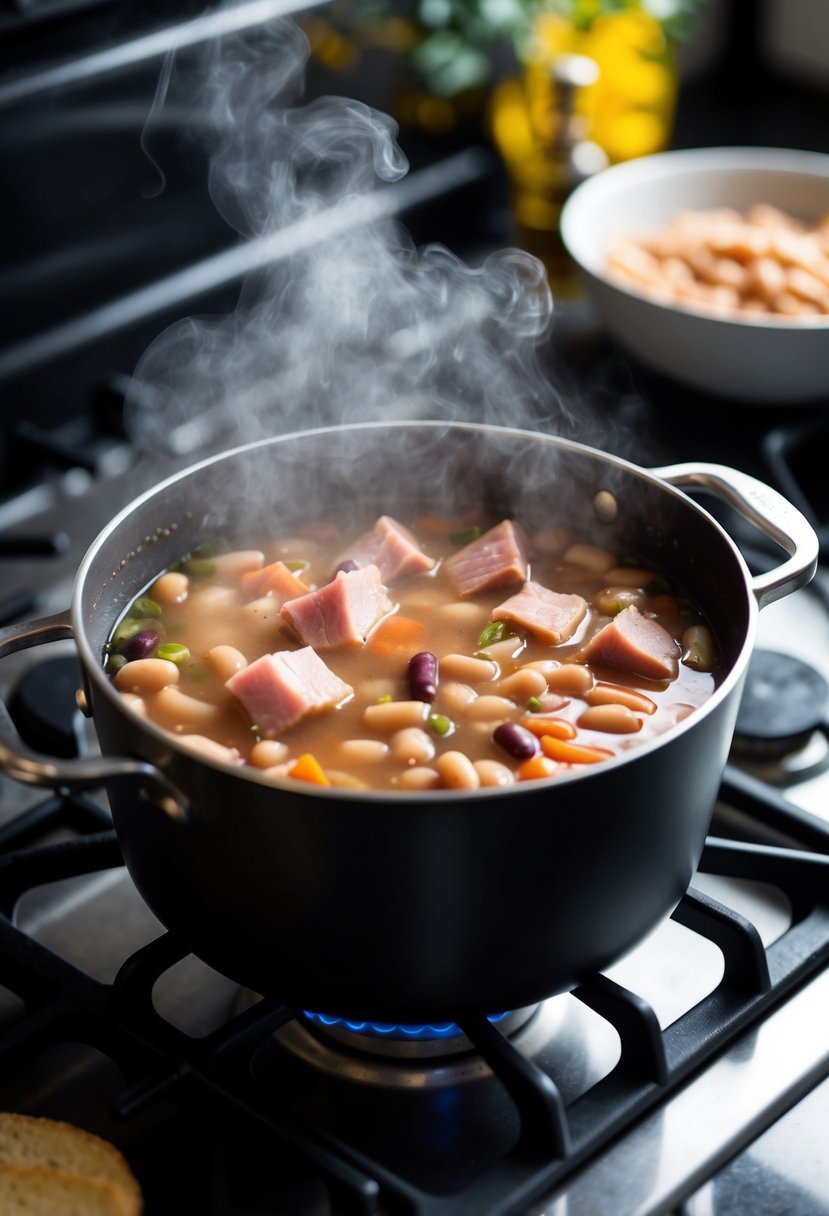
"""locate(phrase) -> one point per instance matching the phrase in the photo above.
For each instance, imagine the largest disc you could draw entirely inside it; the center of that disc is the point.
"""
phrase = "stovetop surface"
(229, 1107)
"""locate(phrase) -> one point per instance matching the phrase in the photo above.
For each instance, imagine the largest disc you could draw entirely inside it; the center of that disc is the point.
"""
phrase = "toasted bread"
(34, 1144)
(38, 1190)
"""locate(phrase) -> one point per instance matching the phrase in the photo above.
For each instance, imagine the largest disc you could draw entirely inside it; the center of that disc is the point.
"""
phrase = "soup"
(427, 654)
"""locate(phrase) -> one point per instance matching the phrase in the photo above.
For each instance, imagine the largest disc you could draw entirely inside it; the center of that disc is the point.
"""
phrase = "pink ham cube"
(496, 559)
(280, 689)
(635, 643)
(391, 548)
(342, 613)
(548, 615)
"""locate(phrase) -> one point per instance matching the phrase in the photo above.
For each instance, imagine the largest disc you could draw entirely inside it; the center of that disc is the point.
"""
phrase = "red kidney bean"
(423, 676)
(141, 646)
(347, 566)
(516, 740)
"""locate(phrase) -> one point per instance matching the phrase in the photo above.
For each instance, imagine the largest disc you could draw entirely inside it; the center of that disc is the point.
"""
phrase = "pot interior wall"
(350, 472)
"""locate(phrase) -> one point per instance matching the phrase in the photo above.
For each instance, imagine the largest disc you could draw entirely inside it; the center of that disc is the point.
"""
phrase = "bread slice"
(36, 1190)
(49, 1144)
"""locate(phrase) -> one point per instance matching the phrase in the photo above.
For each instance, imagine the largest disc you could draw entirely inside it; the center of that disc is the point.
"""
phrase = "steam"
(343, 319)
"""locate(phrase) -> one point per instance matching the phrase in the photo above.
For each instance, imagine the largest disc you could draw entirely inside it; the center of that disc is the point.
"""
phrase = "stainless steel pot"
(410, 906)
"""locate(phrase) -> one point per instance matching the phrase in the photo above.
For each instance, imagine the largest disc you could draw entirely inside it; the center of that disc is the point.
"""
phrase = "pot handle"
(34, 768)
(766, 509)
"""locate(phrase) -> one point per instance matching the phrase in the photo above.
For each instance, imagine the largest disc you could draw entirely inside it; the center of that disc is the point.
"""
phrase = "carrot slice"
(275, 577)
(572, 753)
(533, 769)
(397, 633)
(307, 768)
(559, 728)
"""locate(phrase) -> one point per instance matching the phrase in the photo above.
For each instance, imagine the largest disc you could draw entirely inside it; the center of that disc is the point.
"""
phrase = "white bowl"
(763, 360)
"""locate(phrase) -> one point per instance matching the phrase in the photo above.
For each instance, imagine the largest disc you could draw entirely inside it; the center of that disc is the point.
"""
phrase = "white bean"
(171, 588)
(210, 748)
(345, 781)
(466, 615)
(213, 597)
(590, 557)
(268, 752)
(613, 719)
(464, 667)
(240, 561)
(146, 675)
(490, 709)
(522, 684)
(453, 698)
(395, 715)
(364, 751)
(551, 540)
(419, 779)
(571, 678)
(492, 772)
(506, 652)
(225, 661)
(457, 772)
(135, 703)
(180, 711)
(412, 745)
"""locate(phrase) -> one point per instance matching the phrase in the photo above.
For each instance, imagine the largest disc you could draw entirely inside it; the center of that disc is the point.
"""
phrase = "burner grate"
(161, 1066)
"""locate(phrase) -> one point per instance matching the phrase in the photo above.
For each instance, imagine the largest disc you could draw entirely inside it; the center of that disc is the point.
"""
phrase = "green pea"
(439, 724)
(174, 652)
(198, 568)
(465, 536)
(114, 663)
(145, 607)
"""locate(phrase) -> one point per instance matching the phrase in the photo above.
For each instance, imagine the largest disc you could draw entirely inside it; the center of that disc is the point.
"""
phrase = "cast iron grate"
(214, 1075)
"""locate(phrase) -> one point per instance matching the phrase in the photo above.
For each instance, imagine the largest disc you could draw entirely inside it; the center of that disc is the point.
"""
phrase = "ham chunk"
(279, 689)
(548, 615)
(496, 559)
(635, 643)
(391, 548)
(342, 613)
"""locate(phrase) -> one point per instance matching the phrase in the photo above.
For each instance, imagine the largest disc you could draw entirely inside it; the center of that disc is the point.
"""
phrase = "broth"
(509, 704)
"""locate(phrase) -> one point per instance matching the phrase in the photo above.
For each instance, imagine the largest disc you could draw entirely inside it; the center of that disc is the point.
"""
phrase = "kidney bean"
(346, 567)
(141, 646)
(516, 741)
(423, 676)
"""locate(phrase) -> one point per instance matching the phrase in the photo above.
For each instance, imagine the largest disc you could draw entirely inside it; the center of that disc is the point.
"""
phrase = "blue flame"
(441, 1030)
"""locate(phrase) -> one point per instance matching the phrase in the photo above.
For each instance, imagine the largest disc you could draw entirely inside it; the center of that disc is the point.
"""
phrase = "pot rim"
(94, 671)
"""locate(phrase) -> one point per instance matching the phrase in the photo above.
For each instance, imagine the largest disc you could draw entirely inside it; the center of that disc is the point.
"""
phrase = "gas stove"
(690, 1078)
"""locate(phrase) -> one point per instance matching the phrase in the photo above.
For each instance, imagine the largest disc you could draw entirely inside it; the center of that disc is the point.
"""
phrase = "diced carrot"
(275, 577)
(559, 728)
(397, 633)
(572, 753)
(617, 694)
(307, 768)
(538, 766)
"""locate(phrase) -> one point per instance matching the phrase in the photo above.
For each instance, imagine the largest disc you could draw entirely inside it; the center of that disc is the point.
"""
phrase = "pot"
(415, 905)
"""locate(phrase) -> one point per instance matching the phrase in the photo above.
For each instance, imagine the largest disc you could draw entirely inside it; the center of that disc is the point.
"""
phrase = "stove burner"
(421, 1040)
(784, 702)
(440, 1030)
